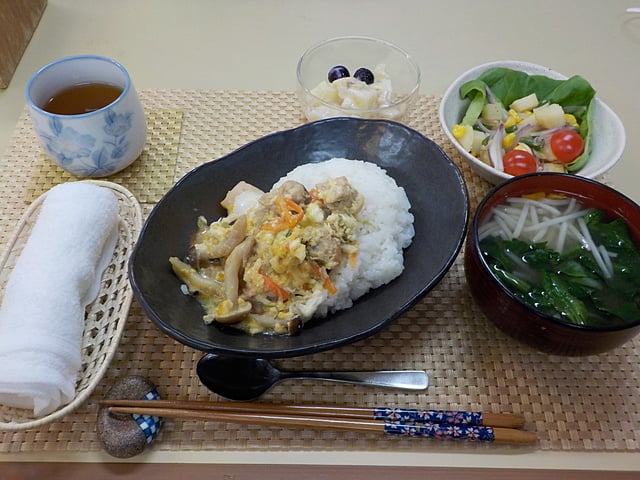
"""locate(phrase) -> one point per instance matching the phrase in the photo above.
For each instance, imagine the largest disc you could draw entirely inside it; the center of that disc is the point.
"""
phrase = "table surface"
(254, 45)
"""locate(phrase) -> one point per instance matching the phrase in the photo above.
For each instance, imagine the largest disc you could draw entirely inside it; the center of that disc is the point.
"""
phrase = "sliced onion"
(593, 248)
(535, 203)
(522, 132)
(495, 148)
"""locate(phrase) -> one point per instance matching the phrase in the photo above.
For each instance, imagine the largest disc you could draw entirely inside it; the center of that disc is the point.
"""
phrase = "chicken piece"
(322, 247)
(295, 191)
(289, 189)
(241, 189)
(338, 194)
(280, 208)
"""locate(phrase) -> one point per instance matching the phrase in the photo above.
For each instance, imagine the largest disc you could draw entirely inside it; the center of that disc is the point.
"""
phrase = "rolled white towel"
(56, 276)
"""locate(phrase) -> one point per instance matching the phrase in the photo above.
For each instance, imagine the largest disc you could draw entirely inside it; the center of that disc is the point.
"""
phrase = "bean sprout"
(557, 221)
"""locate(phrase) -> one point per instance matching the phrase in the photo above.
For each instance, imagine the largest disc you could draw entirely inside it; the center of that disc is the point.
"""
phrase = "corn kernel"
(508, 140)
(458, 131)
(571, 120)
(512, 118)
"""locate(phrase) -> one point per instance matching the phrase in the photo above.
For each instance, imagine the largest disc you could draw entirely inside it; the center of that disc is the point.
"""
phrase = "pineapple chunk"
(483, 156)
(355, 94)
(528, 120)
(493, 114)
(478, 139)
(554, 167)
(525, 103)
(524, 147)
(550, 116)
(361, 99)
(326, 92)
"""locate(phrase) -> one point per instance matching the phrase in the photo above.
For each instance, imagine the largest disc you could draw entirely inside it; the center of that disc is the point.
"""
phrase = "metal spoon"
(239, 378)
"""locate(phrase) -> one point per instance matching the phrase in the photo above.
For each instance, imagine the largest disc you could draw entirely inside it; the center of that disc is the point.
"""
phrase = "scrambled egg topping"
(266, 267)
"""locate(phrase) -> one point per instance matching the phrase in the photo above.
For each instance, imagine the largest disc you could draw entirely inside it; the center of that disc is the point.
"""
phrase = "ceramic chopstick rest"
(55, 278)
(126, 435)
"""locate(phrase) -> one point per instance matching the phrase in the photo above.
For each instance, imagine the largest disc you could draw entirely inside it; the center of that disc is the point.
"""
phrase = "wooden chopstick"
(314, 417)
(503, 420)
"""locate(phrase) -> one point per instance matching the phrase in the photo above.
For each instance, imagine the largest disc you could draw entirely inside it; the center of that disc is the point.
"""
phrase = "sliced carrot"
(290, 214)
(313, 193)
(322, 274)
(274, 288)
(353, 259)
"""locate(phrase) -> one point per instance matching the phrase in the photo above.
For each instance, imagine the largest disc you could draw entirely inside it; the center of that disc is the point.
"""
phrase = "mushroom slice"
(229, 313)
(232, 268)
(194, 281)
(233, 308)
(211, 246)
(294, 326)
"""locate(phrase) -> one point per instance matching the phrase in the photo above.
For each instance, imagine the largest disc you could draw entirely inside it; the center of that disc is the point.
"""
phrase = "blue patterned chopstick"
(440, 424)
(441, 431)
(388, 414)
(446, 417)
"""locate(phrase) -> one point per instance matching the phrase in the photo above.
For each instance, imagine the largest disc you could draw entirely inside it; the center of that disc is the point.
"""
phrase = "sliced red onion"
(495, 148)
(522, 132)
(482, 127)
(551, 131)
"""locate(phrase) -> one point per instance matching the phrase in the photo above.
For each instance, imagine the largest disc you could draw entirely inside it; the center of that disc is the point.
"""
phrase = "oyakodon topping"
(265, 267)
(349, 239)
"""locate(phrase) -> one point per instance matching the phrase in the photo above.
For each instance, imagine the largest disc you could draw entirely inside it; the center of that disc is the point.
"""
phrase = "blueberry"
(337, 72)
(365, 75)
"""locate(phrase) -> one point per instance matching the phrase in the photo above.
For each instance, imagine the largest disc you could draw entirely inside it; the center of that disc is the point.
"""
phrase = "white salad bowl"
(608, 134)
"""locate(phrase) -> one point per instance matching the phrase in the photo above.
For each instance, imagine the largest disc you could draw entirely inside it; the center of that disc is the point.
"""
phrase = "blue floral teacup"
(93, 142)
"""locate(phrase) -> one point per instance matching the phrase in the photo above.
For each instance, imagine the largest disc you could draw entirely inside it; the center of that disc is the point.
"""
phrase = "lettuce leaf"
(575, 95)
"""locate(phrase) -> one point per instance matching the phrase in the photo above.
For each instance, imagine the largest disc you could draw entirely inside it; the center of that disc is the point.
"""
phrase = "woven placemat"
(573, 404)
(149, 177)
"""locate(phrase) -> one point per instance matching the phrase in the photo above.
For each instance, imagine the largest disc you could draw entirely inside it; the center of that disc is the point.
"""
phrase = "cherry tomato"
(566, 145)
(519, 162)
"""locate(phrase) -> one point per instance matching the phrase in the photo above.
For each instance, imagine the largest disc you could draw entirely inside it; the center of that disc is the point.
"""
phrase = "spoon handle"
(402, 379)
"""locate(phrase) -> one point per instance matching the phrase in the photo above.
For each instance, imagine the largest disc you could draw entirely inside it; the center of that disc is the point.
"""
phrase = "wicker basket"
(105, 317)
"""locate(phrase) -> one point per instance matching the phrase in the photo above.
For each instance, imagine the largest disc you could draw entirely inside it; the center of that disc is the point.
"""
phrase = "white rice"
(386, 227)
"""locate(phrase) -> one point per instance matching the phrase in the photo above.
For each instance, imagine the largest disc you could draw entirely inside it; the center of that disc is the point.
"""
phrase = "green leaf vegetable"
(570, 285)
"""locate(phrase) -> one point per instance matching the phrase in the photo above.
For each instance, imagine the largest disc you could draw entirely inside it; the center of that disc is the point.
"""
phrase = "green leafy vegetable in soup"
(564, 260)
(520, 123)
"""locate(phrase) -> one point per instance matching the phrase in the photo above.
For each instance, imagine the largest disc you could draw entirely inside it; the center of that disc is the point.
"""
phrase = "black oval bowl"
(434, 186)
(520, 321)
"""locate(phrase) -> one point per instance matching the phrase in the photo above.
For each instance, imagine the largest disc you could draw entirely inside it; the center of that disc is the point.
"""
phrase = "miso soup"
(564, 259)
